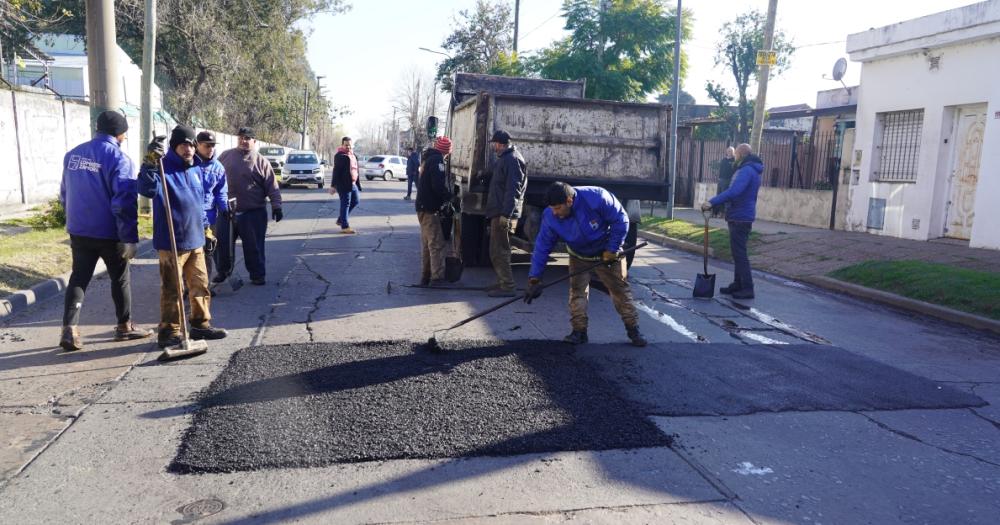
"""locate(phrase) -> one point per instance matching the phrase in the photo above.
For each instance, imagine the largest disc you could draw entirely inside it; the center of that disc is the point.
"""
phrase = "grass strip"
(972, 291)
(718, 238)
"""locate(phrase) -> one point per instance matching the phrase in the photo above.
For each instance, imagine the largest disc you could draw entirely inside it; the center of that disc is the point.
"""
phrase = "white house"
(929, 103)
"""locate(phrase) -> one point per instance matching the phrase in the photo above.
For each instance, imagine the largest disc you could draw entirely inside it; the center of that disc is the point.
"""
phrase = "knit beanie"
(443, 144)
(182, 134)
(111, 123)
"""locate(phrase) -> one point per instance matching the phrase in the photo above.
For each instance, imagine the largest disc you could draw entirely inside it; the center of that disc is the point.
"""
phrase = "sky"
(365, 52)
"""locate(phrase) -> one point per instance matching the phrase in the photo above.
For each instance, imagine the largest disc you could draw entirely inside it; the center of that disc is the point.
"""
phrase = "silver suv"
(303, 167)
(276, 155)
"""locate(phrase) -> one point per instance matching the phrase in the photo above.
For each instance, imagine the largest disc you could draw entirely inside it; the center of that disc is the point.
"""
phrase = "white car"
(303, 167)
(276, 155)
(388, 167)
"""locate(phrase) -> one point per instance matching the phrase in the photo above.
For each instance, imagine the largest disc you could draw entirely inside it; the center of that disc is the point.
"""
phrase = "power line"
(539, 26)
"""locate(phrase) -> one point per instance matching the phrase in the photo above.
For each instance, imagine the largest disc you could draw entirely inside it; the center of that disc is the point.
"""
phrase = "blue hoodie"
(213, 176)
(597, 222)
(187, 203)
(98, 191)
(742, 192)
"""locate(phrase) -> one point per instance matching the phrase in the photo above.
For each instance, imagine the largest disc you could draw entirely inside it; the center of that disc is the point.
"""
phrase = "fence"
(792, 160)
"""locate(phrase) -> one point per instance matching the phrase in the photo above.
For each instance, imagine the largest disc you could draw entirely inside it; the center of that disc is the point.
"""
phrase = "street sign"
(767, 57)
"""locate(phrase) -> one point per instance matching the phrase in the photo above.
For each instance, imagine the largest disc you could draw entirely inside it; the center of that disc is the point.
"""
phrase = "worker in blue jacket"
(742, 198)
(190, 222)
(213, 176)
(98, 192)
(593, 224)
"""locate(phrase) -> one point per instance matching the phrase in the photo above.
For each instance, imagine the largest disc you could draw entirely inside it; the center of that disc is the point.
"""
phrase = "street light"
(434, 94)
(435, 52)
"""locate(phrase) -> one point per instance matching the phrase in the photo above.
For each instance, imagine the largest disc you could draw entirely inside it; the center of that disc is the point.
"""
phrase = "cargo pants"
(433, 248)
(613, 278)
(195, 275)
(500, 229)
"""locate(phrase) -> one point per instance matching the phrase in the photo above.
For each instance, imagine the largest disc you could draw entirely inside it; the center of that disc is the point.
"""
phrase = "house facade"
(928, 112)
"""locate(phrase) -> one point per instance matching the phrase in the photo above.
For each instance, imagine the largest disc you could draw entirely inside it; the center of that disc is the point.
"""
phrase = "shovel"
(188, 347)
(704, 283)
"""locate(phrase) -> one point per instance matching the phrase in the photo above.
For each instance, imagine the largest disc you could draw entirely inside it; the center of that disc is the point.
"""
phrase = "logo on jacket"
(441, 166)
(594, 224)
(77, 162)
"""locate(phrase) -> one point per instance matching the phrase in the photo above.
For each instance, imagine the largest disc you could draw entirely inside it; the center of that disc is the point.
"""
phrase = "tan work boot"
(70, 340)
(128, 331)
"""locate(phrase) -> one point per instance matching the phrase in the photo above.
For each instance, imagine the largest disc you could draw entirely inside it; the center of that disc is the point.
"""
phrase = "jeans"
(410, 181)
(251, 226)
(348, 201)
(739, 234)
(86, 252)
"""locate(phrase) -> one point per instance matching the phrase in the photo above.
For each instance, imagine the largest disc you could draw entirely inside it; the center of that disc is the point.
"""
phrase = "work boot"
(70, 340)
(348, 231)
(165, 339)
(219, 278)
(338, 222)
(501, 292)
(728, 290)
(260, 281)
(743, 293)
(634, 336)
(128, 332)
(438, 283)
(576, 337)
(207, 332)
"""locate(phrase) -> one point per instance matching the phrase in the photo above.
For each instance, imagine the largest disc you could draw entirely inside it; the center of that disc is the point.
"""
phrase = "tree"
(737, 53)
(668, 97)
(477, 43)
(624, 48)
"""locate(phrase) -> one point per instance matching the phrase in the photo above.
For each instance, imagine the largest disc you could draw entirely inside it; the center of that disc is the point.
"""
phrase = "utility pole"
(102, 61)
(395, 134)
(305, 116)
(674, 113)
(148, 62)
(765, 70)
(517, 18)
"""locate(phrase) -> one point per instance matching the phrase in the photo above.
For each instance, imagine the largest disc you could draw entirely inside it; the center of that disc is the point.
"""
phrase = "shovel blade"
(704, 286)
(188, 348)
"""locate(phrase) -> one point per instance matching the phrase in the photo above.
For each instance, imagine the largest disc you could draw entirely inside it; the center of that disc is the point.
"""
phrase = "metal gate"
(966, 156)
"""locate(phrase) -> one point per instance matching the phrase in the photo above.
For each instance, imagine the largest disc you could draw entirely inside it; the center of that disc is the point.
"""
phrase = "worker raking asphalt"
(318, 404)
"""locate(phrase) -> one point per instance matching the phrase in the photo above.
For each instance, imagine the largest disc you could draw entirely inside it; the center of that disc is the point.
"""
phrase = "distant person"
(98, 192)
(412, 171)
(726, 169)
(191, 233)
(593, 224)
(213, 176)
(503, 206)
(741, 197)
(433, 192)
(346, 183)
(251, 181)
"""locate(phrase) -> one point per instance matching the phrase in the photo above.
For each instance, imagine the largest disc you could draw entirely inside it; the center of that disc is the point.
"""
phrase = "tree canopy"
(481, 36)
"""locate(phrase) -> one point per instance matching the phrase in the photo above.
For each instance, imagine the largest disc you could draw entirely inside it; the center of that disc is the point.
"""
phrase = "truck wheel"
(630, 240)
(475, 245)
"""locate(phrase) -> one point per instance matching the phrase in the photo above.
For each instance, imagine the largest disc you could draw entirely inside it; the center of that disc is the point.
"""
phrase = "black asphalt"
(693, 379)
(318, 404)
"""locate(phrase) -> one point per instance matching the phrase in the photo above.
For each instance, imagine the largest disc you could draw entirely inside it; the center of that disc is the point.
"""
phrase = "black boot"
(634, 336)
(728, 290)
(743, 293)
(576, 337)
(207, 332)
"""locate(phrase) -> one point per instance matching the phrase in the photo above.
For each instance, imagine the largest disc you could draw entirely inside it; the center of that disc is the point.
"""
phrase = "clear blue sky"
(364, 52)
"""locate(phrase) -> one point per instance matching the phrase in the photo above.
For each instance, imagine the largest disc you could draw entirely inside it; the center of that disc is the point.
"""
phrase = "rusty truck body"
(619, 146)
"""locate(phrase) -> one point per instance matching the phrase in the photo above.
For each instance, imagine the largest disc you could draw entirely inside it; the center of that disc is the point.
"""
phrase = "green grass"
(718, 238)
(970, 291)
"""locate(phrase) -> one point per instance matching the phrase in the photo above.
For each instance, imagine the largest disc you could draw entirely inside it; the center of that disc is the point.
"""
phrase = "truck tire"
(630, 240)
(475, 242)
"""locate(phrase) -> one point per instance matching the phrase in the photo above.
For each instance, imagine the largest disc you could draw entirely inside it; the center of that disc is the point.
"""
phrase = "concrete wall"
(789, 206)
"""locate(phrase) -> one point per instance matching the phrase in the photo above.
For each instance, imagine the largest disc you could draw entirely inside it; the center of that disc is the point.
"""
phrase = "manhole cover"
(201, 508)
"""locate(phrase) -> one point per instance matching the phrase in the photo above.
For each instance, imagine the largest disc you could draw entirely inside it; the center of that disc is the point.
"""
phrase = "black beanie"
(182, 134)
(111, 123)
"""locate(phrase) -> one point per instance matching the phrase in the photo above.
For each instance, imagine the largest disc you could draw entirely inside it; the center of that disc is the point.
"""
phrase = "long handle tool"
(432, 343)
(704, 283)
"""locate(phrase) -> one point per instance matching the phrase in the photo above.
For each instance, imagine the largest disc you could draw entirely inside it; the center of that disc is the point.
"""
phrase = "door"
(964, 176)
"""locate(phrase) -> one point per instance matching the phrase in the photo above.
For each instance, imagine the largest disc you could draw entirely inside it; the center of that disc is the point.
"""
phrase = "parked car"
(303, 167)
(276, 155)
(388, 167)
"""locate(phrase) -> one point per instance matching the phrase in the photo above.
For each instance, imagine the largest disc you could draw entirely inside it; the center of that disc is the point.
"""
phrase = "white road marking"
(669, 321)
(759, 338)
(746, 468)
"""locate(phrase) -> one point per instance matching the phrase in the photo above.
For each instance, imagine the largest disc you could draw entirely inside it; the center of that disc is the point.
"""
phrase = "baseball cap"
(501, 136)
(206, 137)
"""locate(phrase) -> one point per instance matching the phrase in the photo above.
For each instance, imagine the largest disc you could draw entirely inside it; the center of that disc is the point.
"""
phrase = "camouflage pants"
(613, 278)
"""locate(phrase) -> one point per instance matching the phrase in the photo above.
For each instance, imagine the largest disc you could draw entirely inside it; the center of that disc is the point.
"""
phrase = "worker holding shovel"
(173, 178)
(593, 224)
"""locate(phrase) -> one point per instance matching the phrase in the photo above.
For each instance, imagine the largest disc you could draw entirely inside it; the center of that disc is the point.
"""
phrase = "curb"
(905, 303)
(658, 238)
(23, 299)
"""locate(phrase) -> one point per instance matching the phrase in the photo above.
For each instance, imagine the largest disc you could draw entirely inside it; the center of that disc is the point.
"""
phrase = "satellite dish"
(839, 69)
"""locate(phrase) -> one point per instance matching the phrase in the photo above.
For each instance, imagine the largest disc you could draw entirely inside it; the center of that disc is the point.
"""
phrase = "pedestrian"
(346, 183)
(593, 224)
(433, 193)
(741, 197)
(98, 193)
(726, 169)
(412, 171)
(213, 177)
(507, 183)
(251, 181)
(191, 233)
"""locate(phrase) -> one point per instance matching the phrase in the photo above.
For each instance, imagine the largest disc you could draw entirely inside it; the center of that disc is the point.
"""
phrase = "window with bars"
(897, 145)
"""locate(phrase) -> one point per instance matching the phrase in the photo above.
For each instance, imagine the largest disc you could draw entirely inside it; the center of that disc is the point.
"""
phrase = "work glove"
(155, 150)
(609, 257)
(211, 243)
(534, 289)
(127, 250)
(706, 206)
(277, 215)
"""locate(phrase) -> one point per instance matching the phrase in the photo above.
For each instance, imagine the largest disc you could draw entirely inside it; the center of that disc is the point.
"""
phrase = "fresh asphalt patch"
(305, 405)
(691, 379)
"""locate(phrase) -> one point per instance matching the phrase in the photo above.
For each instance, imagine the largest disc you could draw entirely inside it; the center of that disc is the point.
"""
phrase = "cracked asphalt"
(798, 407)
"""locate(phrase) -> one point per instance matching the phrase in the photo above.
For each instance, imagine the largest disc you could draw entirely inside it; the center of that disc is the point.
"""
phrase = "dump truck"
(563, 136)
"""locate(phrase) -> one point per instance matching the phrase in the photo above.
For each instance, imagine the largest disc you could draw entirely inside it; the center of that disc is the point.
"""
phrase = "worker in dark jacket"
(346, 183)
(213, 177)
(190, 225)
(503, 207)
(412, 171)
(98, 192)
(727, 166)
(433, 193)
(593, 224)
(742, 199)
(250, 179)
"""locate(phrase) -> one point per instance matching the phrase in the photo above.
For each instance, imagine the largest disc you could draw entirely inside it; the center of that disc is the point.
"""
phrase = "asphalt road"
(799, 406)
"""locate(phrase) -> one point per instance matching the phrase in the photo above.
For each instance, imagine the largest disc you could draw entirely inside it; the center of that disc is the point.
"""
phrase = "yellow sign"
(767, 57)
